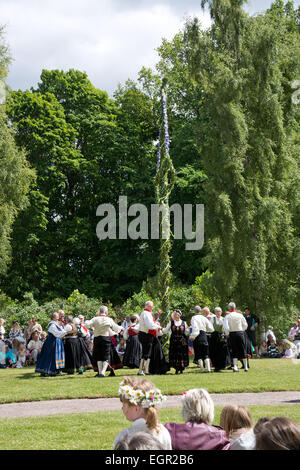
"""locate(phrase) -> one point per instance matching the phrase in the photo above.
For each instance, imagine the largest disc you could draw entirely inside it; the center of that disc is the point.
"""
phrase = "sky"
(110, 40)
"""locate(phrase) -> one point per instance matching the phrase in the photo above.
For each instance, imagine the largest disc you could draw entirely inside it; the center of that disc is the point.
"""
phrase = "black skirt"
(158, 363)
(238, 344)
(101, 349)
(133, 352)
(146, 341)
(114, 358)
(218, 351)
(201, 347)
(178, 351)
(72, 355)
(85, 355)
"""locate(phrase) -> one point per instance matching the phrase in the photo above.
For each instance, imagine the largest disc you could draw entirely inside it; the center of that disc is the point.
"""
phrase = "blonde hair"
(151, 413)
(235, 417)
(198, 406)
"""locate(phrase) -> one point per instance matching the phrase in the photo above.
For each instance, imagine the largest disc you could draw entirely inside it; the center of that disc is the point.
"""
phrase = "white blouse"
(176, 323)
(140, 426)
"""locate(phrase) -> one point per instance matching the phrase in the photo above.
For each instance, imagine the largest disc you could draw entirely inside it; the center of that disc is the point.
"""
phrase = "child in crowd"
(43, 336)
(10, 359)
(289, 349)
(263, 349)
(273, 350)
(34, 346)
(21, 356)
(2, 329)
(121, 347)
(139, 398)
(235, 420)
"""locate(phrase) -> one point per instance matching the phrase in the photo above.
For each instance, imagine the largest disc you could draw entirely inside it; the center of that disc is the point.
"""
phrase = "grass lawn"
(96, 431)
(17, 385)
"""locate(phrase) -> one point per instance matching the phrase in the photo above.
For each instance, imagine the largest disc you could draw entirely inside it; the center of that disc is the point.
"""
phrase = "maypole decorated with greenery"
(164, 183)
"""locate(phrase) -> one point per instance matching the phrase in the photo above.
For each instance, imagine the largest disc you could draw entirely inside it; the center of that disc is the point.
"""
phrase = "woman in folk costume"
(114, 361)
(178, 349)
(72, 347)
(52, 356)
(218, 348)
(158, 363)
(146, 339)
(102, 341)
(133, 351)
(85, 355)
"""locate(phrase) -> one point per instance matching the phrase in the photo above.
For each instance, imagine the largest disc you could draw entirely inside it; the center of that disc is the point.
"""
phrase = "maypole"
(164, 182)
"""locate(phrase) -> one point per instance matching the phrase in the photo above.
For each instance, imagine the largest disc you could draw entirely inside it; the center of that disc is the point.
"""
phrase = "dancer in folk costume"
(146, 323)
(133, 351)
(218, 348)
(235, 326)
(102, 341)
(85, 355)
(178, 348)
(200, 326)
(72, 347)
(51, 359)
(158, 363)
(114, 361)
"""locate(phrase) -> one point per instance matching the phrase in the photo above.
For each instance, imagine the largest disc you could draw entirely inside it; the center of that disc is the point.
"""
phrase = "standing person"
(200, 326)
(146, 323)
(61, 318)
(234, 326)
(2, 329)
(102, 341)
(133, 351)
(252, 322)
(178, 349)
(114, 361)
(158, 363)
(28, 331)
(84, 353)
(52, 356)
(72, 348)
(218, 348)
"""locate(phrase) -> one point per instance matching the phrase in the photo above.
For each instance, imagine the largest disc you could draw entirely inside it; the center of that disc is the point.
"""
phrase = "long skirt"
(158, 363)
(72, 355)
(218, 351)
(238, 344)
(101, 349)
(201, 347)
(52, 356)
(85, 355)
(146, 340)
(178, 352)
(133, 352)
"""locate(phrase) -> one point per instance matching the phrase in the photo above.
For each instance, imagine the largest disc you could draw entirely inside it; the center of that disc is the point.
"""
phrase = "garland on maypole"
(164, 182)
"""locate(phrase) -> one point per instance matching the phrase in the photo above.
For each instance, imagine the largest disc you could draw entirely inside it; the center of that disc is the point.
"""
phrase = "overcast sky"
(109, 39)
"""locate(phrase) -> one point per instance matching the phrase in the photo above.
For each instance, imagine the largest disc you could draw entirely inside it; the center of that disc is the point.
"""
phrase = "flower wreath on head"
(138, 397)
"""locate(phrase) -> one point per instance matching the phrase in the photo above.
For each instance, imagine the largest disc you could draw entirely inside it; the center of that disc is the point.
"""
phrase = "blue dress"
(52, 356)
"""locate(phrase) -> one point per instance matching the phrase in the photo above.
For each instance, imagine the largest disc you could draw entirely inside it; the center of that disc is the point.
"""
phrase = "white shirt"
(146, 322)
(200, 323)
(57, 332)
(134, 327)
(270, 332)
(140, 426)
(102, 324)
(235, 321)
(2, 332)
(34, 344)
(176, 323)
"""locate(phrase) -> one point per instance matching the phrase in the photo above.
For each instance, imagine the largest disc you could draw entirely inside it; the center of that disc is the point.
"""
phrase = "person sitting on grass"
(21, 356)
(10, 359)
(273, 350)
(289, 349)
(140, 441)
(278, 434)
(2, 329)
(197, 432)
(139, 399)
(235, 420)
(263, 349)
(34, 346)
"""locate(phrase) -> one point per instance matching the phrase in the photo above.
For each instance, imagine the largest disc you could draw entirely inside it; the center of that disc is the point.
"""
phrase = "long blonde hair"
(235, 417)
(151, 413)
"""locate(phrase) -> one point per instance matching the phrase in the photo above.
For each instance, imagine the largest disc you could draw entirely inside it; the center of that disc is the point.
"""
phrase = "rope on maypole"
(164, 183)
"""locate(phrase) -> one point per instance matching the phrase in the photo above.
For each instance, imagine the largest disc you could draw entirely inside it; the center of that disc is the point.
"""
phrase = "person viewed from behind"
(218, 347)
(235, 325)
(200, 327)
(146, 324)
(133, 351)
(235, 420)
(278, 434)
(253, 322)
(270, 335)
(247, 441)
(140, 441)
(197, 432)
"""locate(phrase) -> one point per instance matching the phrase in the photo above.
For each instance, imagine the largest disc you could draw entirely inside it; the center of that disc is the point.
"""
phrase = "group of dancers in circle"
(218, 342)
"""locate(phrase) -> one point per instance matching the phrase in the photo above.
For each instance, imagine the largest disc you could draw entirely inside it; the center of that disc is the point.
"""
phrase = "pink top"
(197, 436)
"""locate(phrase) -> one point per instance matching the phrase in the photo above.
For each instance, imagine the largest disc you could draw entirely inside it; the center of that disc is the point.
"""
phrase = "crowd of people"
(73, 345)
(236, 431)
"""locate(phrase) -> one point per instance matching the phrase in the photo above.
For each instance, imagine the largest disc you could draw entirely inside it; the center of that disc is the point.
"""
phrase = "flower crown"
(138, 397)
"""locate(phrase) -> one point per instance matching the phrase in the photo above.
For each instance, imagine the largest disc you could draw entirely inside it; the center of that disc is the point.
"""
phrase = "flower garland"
(138, 397)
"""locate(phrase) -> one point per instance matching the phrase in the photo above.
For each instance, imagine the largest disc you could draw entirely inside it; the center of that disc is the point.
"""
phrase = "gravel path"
(53, 407)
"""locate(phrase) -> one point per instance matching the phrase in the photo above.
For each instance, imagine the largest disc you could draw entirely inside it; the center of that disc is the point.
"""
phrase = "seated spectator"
(235, 420)
(121, 347)
(263, 349)
(289, 349)
(140, 441)
(15, 331)
(34, 346)
(197, 433)
(28, 331)
(10, 359)
(293, 331)
(21, 356)
(278, 434)
(43, 336)
(36, 326)
(2, 329)
(273, 350)
(247, 441)
(2, 354)
(270, 333)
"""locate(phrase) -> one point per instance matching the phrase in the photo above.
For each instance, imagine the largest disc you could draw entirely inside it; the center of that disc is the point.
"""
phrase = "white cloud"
(110, 44)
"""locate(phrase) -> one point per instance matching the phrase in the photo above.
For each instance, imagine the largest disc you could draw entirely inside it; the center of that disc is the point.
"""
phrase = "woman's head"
(55, 316)
(140, 441)
(278, 434)
(15, 325)
(35, 336)
(176, 315)
(218, 311)
(139, 398)
(2, 321)
(69, 319)
(235, 417)
(197, 406)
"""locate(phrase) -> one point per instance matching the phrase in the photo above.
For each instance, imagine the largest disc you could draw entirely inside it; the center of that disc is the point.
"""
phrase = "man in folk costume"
(235, 325)
(102, 341)
(146, 337)
(200, 326)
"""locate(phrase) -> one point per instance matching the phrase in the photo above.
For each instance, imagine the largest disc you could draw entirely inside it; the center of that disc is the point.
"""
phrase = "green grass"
(17, 385)
(96, 431)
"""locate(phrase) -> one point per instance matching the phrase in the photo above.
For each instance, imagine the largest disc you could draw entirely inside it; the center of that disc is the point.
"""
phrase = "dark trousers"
(146, 341)
(238, 344)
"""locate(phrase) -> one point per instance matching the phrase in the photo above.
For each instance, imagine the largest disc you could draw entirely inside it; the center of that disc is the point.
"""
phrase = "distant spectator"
(36, 326)
(15, 331)
(235, 420)
(2, 329)
(140, 441)
(293, 331)
(278, 434)
(28, 331)
(34, 346)
(121, 347)
(289, 349)
(263, 349)
(270, 333)
(273, 350)
(10, 359)
(43, 336)
(21, 356)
